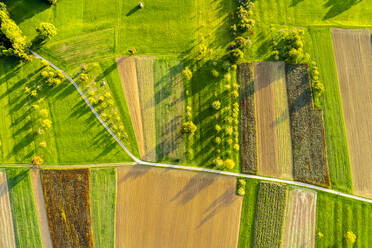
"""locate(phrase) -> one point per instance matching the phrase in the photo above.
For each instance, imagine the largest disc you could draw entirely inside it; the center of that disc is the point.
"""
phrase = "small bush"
(46, 124)
(44, 113)
(46, 31)
(187, 73)
(229, 164)
(350, 238)
(216, 105)
(241, 191)
(242, 182)
(236, 147)
(189, 127)
(37, 160)
(235, 55)
(218, 128)
(215, 73)
(218, 163)
(217, 140)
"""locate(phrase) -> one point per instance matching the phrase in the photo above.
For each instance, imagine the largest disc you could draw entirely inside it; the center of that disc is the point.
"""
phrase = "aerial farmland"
(198, 124)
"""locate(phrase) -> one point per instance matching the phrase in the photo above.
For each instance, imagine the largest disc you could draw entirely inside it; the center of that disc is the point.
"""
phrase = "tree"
(235, 55)
(216, 105)
(350, 238)
(37, 160)
(46, 31)
(187, 73)
(229, 164)
(189, 127)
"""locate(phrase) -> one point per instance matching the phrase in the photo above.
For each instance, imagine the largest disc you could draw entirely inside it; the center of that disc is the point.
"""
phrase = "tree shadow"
(134, 10)
(295, 2)
(23, 10)
(338, 6)
(14, 180)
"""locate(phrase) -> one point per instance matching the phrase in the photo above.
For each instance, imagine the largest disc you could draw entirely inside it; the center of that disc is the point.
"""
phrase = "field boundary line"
(191, 168)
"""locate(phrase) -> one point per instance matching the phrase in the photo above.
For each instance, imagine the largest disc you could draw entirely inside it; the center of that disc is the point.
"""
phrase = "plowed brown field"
(6, 221)
(159, 207)
(353, 54)
(300, 219)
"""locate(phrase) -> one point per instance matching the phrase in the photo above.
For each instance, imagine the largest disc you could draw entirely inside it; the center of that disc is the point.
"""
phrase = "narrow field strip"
(353, 54)
(37, 189)
(300, 219)
(103, 195)
(191, 168)
(6, 221)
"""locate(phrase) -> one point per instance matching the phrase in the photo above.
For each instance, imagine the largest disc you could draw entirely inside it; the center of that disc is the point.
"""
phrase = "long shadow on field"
(23, 10)
(134, 10)
(13, 181)
(134, 172)
(338, 6)
(196, 184)
(295, 2)
(224, 200)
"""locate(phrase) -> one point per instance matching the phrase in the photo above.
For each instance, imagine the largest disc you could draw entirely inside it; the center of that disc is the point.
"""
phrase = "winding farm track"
(191, 168)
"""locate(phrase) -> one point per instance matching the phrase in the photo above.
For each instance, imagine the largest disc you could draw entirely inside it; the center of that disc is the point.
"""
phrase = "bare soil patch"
(266, 128)
(128, 75)
(353, 54)
(6, 221)
(247, 120)
(37, 188)
(300, 223)
(67, 199)
(159, 207)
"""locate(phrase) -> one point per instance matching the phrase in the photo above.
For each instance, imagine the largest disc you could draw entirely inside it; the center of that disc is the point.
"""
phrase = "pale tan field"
(300, 219)
(145, 81)
(128, 75)
(6, 221)
(274, 140)
(353, 54)
(159, 207)
(37, 188)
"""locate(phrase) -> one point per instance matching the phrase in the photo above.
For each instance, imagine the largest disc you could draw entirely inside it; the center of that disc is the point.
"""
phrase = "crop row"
(270, 211)
(307, 129)
(247, 122)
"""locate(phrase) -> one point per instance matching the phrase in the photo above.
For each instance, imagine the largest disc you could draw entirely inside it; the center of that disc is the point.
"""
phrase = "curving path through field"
(191, 168)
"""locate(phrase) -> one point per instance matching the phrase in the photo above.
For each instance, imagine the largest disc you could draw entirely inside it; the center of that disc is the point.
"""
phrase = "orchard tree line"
(12, 40)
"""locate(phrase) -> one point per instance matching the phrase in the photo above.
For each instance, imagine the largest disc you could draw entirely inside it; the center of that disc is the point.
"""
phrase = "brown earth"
(145, 81)
(266, 128)
(128, 75)
(37, 188)
(353, 54)
(67, 199)
(300, 220)
(6, 221)
(159, 207)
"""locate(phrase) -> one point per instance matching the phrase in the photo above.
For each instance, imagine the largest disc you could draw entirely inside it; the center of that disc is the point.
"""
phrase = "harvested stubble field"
(300, 219)
(169, 100)
(37, 189)
(270, 211)
(6, 222)
(159, 207)
(67, 199)
(353, 54)
(247, 120)
(307, 130)
(274, 138)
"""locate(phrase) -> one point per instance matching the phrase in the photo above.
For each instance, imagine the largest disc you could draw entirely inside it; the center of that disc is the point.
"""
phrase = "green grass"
(23, 208)
(319, 43)
(248, 214)
(337, 215)
(103, 198)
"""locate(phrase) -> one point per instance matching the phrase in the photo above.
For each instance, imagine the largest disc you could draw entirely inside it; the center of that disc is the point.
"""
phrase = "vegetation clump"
(241, 187)
(46, 31)
(189, 127)
(12, 41)
(37, 160)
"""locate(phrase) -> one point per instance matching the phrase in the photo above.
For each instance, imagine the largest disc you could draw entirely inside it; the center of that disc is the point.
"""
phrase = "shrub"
(189, 127)
(216, 105)
(215, 73)
(187, 73)
(46, 123)
(235, 55)
(44, 113)
(12, 41)
(241, 191)
(132, 51)
(218, 128)
(217, 140)
(218, 162)
(242, 182)
(229, 164)
(242, 42)
(236, 147)
(350, 238)
(37, 160)
(46, 31)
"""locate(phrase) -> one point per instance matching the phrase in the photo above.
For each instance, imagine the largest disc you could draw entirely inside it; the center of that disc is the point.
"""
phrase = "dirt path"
(353, 54)
(6, 221)
(171, 208)
(300, 223)
(40, 207)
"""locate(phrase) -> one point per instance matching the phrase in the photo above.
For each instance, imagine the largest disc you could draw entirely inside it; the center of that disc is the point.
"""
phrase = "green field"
(103, 198)
(23, 208)
(338, 215)
(248, 214)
